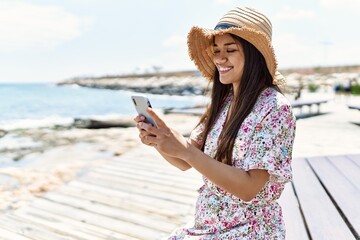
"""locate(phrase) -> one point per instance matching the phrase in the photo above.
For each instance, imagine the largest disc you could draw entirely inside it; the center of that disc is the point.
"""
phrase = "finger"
(139, 118)
(149, 140)
(156, 118)
(144, 133)
(143, 126)
(149, 128)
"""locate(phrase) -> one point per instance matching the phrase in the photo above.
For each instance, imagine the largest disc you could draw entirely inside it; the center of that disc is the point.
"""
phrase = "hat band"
(225, 26)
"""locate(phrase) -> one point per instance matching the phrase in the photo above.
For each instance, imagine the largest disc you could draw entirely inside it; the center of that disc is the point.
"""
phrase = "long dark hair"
(256, 77)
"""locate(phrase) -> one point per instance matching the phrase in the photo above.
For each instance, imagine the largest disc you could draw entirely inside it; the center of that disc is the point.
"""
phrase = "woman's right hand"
(142, 132)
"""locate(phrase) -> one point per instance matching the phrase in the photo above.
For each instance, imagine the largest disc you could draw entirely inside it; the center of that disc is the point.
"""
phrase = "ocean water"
(36, 105)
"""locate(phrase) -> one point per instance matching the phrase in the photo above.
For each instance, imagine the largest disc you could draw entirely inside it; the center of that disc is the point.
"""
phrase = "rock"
(96, 124)
(2, 133)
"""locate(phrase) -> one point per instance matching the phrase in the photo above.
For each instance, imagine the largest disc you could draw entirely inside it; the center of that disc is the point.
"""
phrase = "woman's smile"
(223, 70)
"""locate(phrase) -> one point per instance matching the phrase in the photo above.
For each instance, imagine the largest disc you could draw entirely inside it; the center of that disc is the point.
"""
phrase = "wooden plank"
(184, 178)
(355, 158)
(348, 169)
(127, 228)
(136, 203)
(321, 216)
(60, 221)
(134, 183)
(343, 191)
(30, 230)
(8, 235)
(159, 168)
(152, 180)
(142, 191)
(294, 223)
(152, 221)
(49, 223)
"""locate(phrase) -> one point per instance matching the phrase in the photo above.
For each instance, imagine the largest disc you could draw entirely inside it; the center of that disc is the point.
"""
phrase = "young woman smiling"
(243, 143)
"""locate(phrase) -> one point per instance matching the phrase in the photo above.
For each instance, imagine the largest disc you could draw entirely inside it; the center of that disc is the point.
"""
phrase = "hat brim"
(200, 43)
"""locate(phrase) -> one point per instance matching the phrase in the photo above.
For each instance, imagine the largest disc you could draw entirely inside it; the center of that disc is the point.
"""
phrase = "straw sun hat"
(244, 22)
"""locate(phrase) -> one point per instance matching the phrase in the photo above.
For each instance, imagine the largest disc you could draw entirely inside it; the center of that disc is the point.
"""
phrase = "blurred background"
(49, 41)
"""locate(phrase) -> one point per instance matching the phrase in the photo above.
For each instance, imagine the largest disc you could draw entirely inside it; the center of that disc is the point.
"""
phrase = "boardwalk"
(140, 196)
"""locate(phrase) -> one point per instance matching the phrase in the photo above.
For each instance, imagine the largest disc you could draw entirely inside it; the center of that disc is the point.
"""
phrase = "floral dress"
(264, 141)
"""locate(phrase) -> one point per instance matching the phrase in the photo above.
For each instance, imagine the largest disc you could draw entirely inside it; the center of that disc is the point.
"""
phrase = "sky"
(51, 40)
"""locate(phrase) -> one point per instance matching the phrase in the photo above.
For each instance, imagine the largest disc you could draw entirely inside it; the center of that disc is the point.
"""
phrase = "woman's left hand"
(163, 138)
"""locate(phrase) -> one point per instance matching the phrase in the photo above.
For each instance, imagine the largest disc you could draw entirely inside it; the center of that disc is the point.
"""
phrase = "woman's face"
(229, 59)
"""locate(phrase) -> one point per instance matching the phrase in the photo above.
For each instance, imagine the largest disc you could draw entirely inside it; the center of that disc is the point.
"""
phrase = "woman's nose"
(220, 58)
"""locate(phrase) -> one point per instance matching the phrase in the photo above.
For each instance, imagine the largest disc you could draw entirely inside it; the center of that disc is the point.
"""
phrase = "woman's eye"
(231, 50)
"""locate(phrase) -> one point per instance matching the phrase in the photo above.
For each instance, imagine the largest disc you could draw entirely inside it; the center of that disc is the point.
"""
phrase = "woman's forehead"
(224, 39)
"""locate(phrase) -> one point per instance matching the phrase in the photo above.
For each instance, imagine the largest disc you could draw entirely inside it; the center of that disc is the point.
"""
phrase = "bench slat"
(294, 224)
(348, 168)
(342, 190)
(322, 218)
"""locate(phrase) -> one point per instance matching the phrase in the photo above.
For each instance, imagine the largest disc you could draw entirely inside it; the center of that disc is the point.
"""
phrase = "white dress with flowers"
(264, 141)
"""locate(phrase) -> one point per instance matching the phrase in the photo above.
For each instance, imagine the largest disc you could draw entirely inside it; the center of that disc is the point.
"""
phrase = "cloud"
(293, 51)
(297, 51)
(175, 41)
(26, 25)
(223, 2)
(288, 13)
(334, 4)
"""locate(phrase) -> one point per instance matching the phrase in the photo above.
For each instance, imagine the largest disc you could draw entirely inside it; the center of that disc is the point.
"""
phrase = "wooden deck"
(140, 196)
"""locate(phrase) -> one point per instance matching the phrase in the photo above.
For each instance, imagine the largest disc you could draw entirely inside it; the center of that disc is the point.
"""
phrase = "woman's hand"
(142, 132)
(163, 138)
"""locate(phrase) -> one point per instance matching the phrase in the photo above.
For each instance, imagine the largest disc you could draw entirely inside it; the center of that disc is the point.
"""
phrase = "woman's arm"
(177, 162)
(241, 183)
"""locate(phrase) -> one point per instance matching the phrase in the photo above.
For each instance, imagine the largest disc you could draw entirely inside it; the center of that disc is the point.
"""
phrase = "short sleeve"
(196, 133)
(271, 145)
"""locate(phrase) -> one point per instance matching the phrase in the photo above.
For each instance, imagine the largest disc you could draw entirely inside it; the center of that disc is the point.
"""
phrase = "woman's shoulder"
(272, 98)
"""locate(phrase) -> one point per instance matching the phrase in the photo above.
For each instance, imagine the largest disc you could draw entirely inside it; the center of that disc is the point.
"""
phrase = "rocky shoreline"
(192, 83)
(183, 85)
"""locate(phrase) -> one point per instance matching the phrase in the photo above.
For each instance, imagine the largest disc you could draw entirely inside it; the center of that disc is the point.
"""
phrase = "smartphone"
(141, 104)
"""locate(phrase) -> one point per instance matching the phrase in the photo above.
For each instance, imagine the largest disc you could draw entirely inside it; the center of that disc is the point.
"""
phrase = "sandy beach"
(70, 152)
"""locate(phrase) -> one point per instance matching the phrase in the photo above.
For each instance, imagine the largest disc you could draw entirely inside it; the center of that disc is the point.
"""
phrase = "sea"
(45, 105)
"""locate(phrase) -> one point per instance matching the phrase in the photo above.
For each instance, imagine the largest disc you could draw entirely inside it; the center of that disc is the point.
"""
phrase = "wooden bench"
(309, 103)
(296, 104)
(352, 106)
(323, 200)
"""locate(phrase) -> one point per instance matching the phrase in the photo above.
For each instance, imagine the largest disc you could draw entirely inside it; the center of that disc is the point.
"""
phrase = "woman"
(243, 143)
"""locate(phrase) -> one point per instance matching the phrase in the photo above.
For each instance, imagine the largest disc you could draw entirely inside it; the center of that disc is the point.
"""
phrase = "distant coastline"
(166, 83)
(180, 82)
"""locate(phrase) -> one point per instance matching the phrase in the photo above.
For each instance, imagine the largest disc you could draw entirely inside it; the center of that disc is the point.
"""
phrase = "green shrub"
(355, 89)
(313, 87)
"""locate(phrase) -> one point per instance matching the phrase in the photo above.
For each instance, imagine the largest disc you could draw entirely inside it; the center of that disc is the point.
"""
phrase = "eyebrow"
(226, 44)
